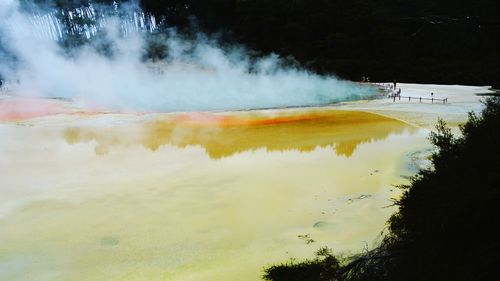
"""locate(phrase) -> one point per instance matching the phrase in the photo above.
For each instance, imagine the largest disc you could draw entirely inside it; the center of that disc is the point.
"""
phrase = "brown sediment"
(222, 135)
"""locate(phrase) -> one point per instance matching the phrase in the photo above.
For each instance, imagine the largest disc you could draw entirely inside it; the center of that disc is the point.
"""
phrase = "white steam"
(195, 76)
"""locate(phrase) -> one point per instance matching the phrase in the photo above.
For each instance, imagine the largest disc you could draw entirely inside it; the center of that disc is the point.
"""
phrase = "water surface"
(193, 196)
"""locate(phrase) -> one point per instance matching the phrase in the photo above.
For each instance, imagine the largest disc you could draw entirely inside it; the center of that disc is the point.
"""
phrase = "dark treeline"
(415, 41)
(420, 41)
(447, 226)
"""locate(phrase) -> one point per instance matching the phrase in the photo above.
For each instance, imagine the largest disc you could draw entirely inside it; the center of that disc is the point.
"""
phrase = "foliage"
(419, 41)
(324, 266)
(416, 41)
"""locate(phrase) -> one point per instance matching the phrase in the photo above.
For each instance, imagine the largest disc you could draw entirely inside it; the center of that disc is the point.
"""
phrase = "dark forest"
(449, 42)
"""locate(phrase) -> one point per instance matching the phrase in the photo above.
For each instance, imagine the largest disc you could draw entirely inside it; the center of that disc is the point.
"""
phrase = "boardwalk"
(392, 93)
(419, 99)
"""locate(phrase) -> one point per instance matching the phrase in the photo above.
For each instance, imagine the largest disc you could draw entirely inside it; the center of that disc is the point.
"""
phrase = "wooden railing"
(388, 88)
(419, 99)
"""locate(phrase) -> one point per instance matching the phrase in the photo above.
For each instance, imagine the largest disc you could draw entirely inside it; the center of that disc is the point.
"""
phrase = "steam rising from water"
(196, 75)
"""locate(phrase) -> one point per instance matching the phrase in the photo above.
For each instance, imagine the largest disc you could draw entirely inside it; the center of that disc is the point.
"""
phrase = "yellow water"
(193, 196)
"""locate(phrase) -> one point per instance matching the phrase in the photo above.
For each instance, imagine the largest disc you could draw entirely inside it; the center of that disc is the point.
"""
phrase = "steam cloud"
(197, 75)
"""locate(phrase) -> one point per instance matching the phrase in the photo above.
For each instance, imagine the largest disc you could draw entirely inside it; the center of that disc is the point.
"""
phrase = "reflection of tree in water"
(224, 135)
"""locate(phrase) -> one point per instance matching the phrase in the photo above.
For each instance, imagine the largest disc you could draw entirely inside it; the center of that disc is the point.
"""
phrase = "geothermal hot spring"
(205, 165)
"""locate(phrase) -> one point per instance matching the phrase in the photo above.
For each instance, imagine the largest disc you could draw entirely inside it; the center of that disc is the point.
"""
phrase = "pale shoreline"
(461, 101)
